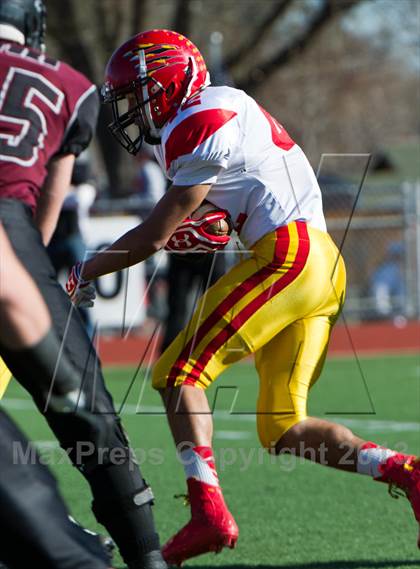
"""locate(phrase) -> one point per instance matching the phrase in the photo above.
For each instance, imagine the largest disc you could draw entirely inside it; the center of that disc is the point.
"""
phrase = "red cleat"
(211, 527)
(403, 473)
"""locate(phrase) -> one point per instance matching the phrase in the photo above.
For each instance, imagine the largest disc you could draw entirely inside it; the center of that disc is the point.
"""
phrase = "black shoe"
(100, 546)
(108, 545)
(151, 560)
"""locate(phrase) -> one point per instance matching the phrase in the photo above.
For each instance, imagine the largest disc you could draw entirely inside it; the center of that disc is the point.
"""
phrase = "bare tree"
(258, 34)
(310, 29)
(266, 42)
(182, 17)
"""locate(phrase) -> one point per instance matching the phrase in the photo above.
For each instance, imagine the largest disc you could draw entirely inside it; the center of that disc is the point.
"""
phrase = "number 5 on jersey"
(23, 125)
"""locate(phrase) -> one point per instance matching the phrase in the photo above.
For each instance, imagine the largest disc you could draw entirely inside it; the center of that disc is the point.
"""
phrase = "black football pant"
(35, 530)
(121, 499)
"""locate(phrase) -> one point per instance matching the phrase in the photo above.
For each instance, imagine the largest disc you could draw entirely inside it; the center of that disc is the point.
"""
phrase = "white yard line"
(370, 425)
(232, 435)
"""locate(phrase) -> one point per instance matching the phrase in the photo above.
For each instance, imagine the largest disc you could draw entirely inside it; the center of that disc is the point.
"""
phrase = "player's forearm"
(46, 218)
(132, 248)
(52, 195)
(147, 238)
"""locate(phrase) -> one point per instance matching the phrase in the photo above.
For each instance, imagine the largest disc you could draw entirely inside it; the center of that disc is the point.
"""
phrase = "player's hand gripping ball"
(207, 230)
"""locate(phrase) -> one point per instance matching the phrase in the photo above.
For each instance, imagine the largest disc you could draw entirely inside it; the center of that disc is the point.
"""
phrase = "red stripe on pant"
(280, 253)
(240, 319)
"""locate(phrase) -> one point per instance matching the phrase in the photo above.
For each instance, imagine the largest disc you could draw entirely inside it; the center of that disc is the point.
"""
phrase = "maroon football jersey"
(47, 109)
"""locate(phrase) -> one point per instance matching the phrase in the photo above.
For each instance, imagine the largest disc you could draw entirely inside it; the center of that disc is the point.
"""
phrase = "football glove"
(195, 235)
(82, 293)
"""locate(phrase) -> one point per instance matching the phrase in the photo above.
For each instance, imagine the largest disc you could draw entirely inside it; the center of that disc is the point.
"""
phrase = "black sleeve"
(82, 125)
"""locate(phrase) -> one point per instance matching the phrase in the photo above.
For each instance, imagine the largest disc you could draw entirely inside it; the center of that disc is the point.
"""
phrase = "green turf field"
(291, 515)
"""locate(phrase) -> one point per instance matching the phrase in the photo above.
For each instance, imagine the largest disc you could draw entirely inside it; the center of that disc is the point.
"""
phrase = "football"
(220, 227)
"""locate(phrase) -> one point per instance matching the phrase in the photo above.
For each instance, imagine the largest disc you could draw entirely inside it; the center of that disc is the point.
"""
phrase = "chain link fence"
(379, 236)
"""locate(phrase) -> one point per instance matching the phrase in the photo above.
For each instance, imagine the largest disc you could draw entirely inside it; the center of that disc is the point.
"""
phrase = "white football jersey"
(221, 136)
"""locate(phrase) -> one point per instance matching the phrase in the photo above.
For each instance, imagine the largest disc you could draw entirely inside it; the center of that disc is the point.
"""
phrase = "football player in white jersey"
(280, 304)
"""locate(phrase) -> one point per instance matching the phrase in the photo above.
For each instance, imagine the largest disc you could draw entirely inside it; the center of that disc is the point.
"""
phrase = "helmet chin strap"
(153, 140)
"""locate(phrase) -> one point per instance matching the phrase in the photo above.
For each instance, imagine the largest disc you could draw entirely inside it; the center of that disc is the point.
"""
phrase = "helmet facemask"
(133, 123)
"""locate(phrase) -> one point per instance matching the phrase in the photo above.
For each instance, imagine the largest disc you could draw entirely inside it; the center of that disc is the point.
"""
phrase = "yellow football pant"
(280, 304)
(5, 377)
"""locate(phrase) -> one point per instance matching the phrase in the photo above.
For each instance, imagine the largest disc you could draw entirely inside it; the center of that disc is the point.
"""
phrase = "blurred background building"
(341, 75)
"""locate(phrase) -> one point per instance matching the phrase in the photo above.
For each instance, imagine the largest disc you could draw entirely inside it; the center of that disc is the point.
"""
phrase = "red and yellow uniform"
(280, 305)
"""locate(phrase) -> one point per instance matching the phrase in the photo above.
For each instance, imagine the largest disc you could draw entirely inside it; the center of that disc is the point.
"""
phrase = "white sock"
(370, 459)
(198, 467)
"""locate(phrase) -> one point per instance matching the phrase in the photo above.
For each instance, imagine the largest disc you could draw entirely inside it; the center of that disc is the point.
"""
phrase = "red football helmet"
(153, 73)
